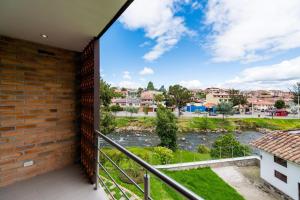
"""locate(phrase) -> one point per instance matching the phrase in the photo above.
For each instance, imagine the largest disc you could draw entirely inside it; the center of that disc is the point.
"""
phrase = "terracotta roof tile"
(285, 145)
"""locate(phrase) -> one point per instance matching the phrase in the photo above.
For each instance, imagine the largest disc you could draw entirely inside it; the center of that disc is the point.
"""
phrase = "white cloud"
(191, 84)
(157, 18)
(277, 76)
(126, 75)
(196, 5)
(146, 71)
(128, 84)
(251, 30)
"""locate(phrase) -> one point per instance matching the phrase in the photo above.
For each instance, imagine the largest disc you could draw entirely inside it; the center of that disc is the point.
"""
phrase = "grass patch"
(204, 182)
(198, 124)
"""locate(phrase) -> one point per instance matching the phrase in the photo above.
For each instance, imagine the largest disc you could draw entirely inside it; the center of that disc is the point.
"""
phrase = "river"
(187, 141)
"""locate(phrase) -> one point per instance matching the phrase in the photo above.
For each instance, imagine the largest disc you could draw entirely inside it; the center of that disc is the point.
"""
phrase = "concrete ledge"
(239, 161)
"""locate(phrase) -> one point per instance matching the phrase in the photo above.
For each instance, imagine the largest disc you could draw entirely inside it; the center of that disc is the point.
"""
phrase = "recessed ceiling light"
(44, 35)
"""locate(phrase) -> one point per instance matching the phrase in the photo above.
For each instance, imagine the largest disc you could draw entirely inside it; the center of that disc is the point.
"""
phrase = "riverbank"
(201, 124)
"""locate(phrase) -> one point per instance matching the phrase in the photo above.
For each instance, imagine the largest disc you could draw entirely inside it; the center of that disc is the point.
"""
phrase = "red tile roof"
(285, 145)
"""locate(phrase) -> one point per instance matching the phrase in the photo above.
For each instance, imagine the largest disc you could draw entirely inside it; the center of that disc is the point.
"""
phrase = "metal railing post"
(146, 186)
(97, 164)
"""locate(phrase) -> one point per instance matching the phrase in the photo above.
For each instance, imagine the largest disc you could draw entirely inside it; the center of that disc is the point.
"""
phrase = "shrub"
(203, 149)
(227, 146)
(116, 108)
(131, 110)
(163, 154)
(166, 128)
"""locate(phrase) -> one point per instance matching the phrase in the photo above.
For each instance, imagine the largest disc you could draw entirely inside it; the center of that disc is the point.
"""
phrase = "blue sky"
(226, 43)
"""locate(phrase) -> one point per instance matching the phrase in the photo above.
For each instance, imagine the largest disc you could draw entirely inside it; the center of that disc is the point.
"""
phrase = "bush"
(116, 108)
(203, 149)
(163, 154)
(131, 110)
(166, 128)
(227, 146)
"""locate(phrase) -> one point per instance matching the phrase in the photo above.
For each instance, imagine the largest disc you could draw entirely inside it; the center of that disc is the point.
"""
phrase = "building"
(217, 98)
(280, 161)
(147, 99)
(126, 102)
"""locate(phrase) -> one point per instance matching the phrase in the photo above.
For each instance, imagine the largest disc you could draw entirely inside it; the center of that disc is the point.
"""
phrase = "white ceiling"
(69, 24)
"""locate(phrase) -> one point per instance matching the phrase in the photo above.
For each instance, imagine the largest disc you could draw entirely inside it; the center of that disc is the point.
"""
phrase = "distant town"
(258, 102)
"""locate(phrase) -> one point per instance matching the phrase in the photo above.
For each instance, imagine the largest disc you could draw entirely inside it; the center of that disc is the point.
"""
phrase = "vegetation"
(179, 96)
(150, 154)
(163, 154)
(227, 146)
(237, 98)
(158, 98)
(106, 94)
(162, 89)
(200, 124)
(146, 109)
(203, 149)
(166, 128)
(107, 122)
(204, 182)
(279, 104)
(131, 110)
(296, 93)
(225, 108)
(150, 86)
(116, 108)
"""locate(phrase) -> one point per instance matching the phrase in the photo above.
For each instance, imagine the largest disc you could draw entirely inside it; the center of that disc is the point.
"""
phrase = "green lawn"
(204, 182)
(196, 124)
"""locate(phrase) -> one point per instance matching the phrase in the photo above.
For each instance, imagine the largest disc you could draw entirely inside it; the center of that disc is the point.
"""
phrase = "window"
(280, 161)
(280, 176)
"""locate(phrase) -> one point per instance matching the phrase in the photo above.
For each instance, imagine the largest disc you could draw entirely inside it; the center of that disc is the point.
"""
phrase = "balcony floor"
(63, 184)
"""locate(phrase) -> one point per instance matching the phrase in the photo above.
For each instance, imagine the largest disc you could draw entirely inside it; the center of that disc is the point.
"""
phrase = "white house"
(280, 161)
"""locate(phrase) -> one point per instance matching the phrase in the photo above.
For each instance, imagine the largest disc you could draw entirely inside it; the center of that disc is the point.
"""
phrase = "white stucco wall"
(292, 171)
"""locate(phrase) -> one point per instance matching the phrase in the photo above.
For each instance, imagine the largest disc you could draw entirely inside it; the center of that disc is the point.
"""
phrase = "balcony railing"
(146, 166)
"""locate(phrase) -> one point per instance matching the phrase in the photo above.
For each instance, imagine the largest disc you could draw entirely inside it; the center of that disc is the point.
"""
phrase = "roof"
(285, 145)
(68, 24)
(149, 94)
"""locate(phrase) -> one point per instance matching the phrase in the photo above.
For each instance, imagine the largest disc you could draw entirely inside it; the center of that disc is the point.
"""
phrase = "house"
(217, 98)
(280, 161)
(49, 101)
(147, 99)
(126, 102)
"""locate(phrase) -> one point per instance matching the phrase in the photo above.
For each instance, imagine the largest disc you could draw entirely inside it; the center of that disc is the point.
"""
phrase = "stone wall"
(37, 109)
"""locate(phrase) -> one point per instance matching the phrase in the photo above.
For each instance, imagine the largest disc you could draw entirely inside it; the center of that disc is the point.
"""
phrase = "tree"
(225, 108)
(150, 86)
(180, 96)
(166, 128)
(139, 92)
(227, 146)
(146, 109)
(159, 98)
(106, 94)
(131, 110)
(296, 92)
(237, 98)
(162, 89)
(279, 104)
(107, 122)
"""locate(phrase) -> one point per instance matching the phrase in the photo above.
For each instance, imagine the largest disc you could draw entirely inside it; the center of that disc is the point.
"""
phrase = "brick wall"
(37, 109)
